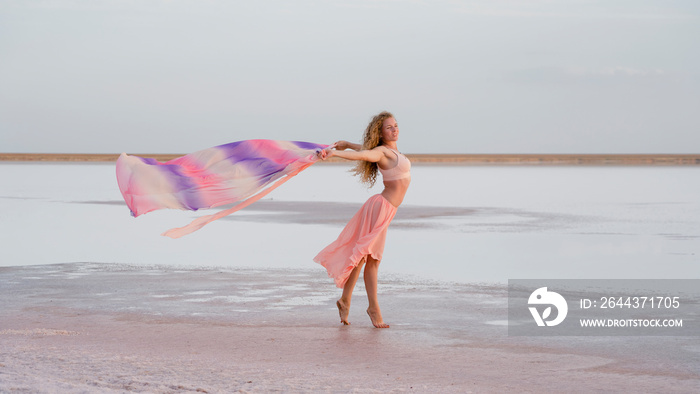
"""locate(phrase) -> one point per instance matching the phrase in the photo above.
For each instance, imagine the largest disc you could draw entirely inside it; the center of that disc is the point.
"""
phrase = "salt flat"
(94, 300)
(88, 327)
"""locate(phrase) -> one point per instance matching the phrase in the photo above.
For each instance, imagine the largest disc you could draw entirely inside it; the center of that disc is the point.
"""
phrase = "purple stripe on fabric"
(308, 145)
(185, 189)
(262, 166)
(248, 154)
(251, 155)
(147, 160)
(229, 146)
(237, 151)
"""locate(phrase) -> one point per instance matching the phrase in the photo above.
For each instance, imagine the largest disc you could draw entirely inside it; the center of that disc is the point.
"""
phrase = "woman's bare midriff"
(394, 191)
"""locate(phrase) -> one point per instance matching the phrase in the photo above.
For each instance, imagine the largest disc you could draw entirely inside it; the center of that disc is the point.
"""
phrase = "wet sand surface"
(86, 327)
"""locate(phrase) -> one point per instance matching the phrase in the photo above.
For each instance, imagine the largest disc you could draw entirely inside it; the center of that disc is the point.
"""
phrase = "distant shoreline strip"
(458, 159)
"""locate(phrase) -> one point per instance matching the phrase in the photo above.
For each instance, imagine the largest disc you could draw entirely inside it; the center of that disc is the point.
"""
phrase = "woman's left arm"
(372, 155)
(342, 145)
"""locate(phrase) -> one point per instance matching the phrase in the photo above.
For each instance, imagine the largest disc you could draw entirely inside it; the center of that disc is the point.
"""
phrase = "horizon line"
(436, 158)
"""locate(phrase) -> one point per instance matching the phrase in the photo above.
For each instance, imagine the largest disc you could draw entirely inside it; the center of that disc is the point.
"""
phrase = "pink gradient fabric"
(364, 235)
(241, 172)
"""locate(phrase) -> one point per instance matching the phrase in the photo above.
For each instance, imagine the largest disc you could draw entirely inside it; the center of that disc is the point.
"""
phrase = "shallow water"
(458, 223)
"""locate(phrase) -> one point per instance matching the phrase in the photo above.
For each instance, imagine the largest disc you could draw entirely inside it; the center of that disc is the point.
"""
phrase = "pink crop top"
(400, 171)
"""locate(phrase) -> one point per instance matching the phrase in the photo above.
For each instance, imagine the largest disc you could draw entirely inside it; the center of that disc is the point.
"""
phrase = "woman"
(362, 240)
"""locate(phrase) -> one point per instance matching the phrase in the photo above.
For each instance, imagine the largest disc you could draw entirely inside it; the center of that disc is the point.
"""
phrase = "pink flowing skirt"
(364, 235)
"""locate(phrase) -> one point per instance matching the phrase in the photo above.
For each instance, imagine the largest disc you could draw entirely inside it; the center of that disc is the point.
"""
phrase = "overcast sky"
(482, 76)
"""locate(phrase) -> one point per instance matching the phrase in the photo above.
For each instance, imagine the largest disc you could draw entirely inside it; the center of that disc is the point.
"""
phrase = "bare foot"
(376, 317)
(344, 311)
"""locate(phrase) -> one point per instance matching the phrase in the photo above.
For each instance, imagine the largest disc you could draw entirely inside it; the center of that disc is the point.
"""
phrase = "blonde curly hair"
(372, 138)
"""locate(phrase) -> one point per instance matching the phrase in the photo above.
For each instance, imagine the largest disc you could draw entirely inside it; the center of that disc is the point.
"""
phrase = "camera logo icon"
(543, 297)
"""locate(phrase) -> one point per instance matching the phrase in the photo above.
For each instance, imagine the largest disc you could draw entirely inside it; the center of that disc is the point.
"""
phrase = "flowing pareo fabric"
(224, 174)
(364, 235)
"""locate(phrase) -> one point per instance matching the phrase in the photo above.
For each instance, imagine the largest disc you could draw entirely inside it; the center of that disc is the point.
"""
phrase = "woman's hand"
(324, 154)
(341, 145)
